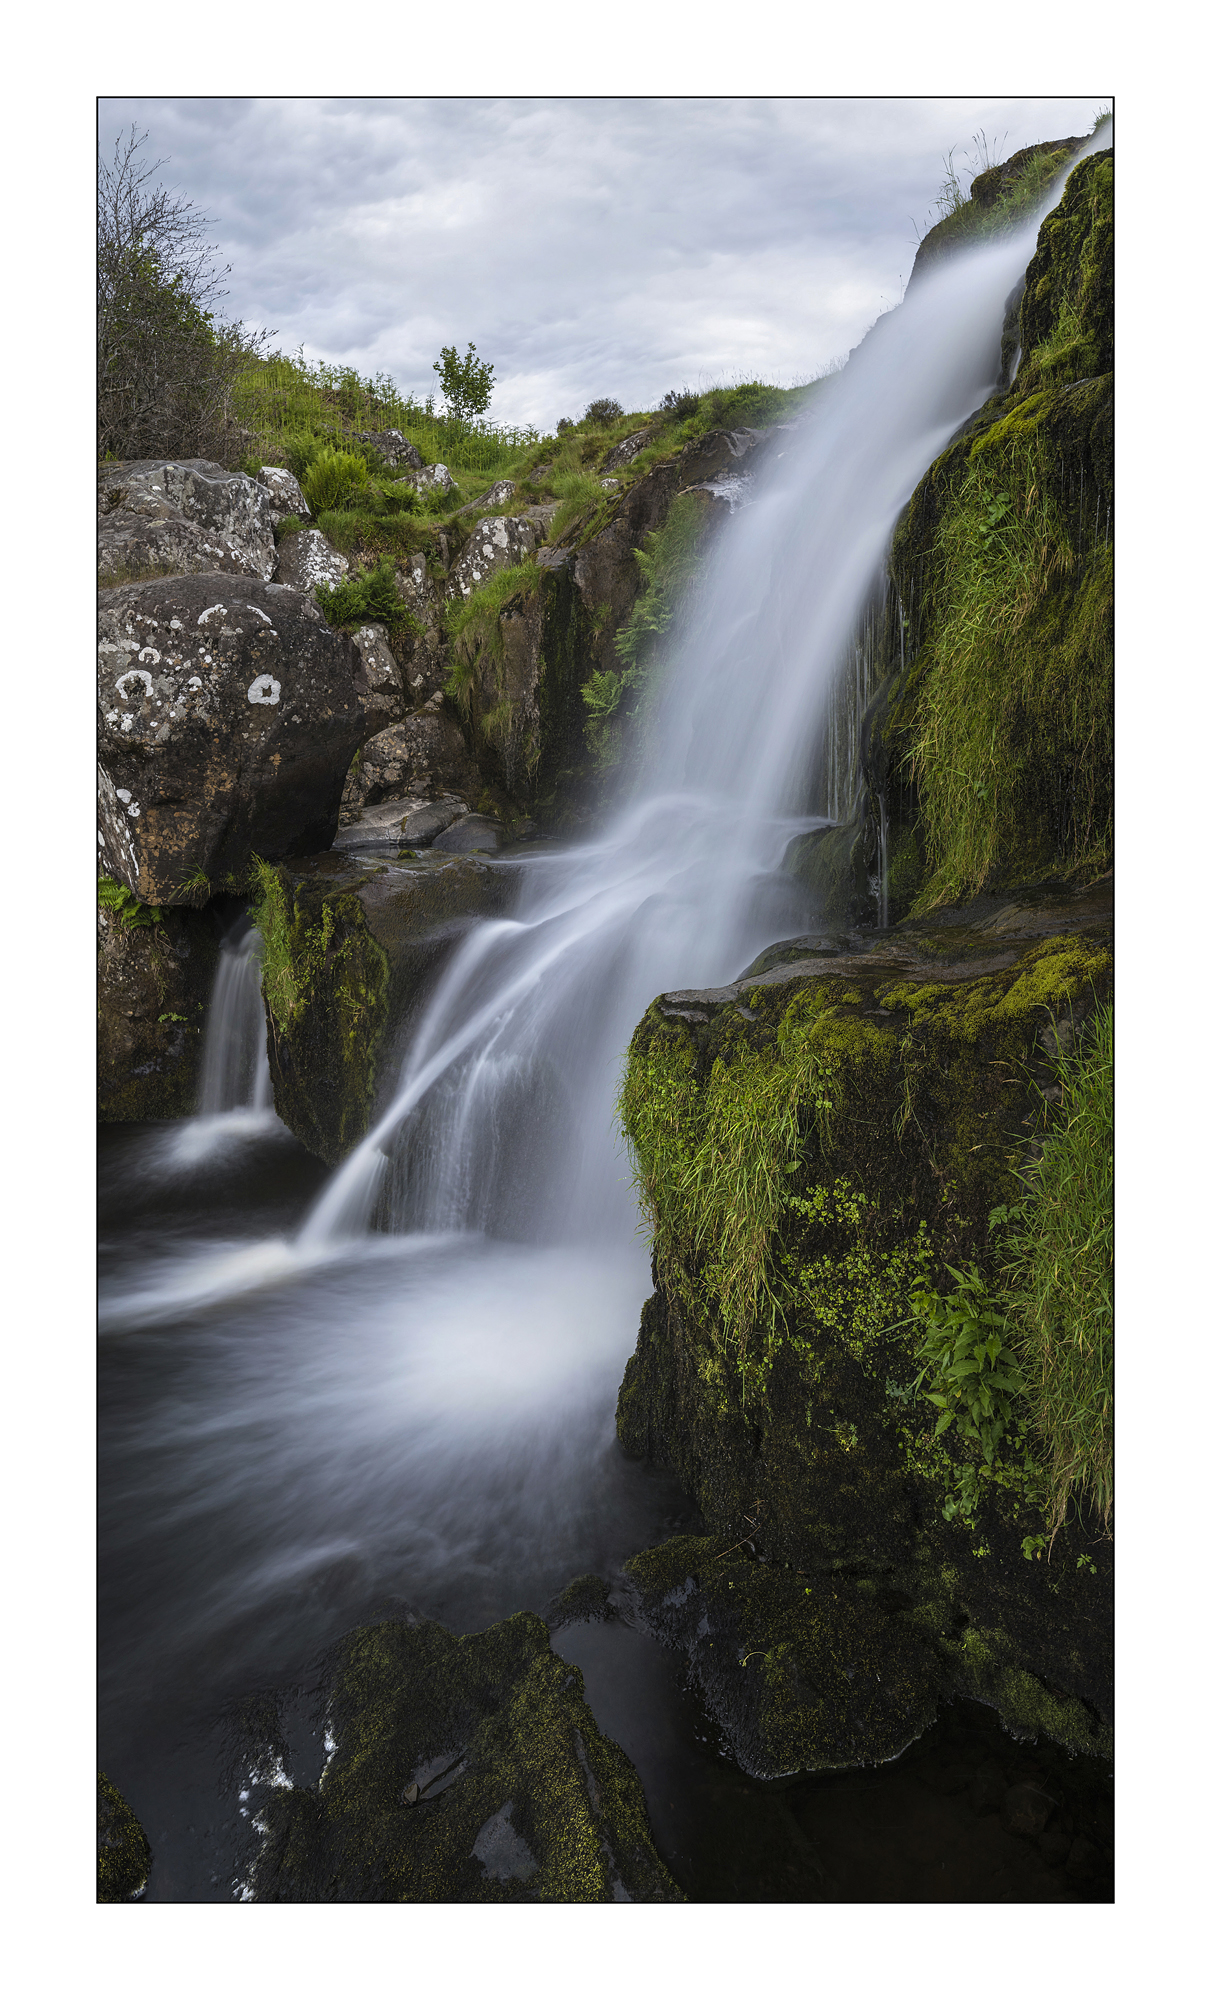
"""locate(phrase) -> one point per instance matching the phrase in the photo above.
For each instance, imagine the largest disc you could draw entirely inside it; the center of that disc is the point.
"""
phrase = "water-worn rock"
(285, 493)
(410, 822)
(465, 1770)
(182, 517)
(228, 717)
(351, 950)
(154, 982)
(123, 1849)
(424, 753)
(500, 542)
(308, 559)
(475, 833)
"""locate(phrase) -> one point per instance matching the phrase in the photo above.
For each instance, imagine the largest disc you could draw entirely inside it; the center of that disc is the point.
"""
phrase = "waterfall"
(503, 1119)
(235, 1065)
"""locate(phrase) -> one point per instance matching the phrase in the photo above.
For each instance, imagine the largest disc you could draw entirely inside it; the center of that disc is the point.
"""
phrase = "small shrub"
(332, 479)
(372, 597)
(679, 403)
(564, 425)
(603, 412)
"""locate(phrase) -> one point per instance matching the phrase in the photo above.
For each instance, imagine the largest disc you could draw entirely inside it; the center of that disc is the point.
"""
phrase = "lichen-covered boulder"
(228, 715)
(350, 951)
(502, 541)
(463, 1770)
(423, 754)
(307, 559)
(285, 493)
(123, 1849)
(393, 447)
(182, 517)
(155, 972)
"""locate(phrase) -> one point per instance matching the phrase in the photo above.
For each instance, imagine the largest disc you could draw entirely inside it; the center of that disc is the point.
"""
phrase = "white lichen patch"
(149, 654)
(133, 674)
(265, 689)
(210, 612)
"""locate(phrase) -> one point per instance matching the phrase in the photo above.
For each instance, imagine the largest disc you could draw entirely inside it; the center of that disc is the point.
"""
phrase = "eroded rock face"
(187, 517)
(308, 559)
(424, 753)
(387, 698)
(228, 717)
(500, 542)
(465, 1770)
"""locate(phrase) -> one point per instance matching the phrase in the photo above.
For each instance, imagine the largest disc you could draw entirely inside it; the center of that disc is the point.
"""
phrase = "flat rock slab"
(228, 715)
(474, 833)
(464, 1770)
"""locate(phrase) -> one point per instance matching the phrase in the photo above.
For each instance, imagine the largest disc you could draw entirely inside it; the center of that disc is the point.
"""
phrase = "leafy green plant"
(372, 596)
(117, 897)
(466, 382)
(332, 479)
(972, 1374)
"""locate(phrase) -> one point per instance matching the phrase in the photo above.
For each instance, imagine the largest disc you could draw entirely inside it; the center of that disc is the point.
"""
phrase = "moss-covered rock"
(462, 1770)
(123, 1849)
(810, 1142)
(155, 971)
(350, 950)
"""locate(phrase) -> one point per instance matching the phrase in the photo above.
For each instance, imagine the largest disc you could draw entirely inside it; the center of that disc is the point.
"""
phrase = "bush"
(602, 413)
(564, 425)
(373, 596)
(679, 403)
(332, 479)
(166, 364)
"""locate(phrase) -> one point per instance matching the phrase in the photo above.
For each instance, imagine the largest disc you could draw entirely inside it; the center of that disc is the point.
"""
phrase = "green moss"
(123, 1849)
(489, 1727)
(325, 979)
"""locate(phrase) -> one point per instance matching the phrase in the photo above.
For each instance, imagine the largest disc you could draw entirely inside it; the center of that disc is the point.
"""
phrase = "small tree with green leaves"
(466, 383)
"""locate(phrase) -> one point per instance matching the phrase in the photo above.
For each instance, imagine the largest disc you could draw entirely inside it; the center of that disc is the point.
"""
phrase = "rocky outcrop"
(285, 494)
(860, 1565)
(462, 1770)
(423, 754)
(392, 447)
(387, 699)
(308, 559)
(228, 716)
(186, 517)
(155, 972)
(351, 949)
(502, 541)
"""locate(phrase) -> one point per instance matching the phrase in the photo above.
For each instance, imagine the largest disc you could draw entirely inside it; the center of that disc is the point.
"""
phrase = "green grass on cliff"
(1060, 1268)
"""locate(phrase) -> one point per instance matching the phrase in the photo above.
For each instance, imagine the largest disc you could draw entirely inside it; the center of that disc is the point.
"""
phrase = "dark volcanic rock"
(154, 983)
(465, 1770)
(228, 718)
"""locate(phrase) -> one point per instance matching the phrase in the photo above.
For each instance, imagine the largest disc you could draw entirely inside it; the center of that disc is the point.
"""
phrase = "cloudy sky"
(589, 247)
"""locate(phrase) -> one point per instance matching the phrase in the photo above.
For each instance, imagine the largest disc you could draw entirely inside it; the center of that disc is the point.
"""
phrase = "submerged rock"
(462, 1770)
(228, 715)
(123, 1849)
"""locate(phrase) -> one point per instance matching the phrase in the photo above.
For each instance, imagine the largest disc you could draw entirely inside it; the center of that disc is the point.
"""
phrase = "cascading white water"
(503, 1117)
(235, 1063)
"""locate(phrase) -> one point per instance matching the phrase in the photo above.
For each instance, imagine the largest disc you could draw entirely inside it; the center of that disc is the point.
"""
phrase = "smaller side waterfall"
(235, 1064)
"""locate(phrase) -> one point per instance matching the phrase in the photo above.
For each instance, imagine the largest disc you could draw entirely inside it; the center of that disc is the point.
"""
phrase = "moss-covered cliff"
(826, 1152)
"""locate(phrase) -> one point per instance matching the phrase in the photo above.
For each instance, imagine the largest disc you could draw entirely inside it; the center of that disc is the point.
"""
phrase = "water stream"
(322, 1400)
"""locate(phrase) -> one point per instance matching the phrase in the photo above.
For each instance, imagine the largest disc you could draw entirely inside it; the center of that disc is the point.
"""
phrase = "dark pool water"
(291, 1446)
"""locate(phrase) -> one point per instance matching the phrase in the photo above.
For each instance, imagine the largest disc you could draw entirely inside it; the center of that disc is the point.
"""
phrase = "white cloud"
(588, 246)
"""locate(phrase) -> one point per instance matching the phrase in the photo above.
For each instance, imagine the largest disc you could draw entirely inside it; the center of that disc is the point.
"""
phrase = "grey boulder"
(227, 721)
(308, 559)
(500, 542)
(182, 517)
(285, 493)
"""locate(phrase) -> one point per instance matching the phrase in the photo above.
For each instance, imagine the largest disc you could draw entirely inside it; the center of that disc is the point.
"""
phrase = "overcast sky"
(589, 247)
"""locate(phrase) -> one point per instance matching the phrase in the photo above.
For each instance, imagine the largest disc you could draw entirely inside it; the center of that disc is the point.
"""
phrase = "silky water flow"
(410, 1395)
